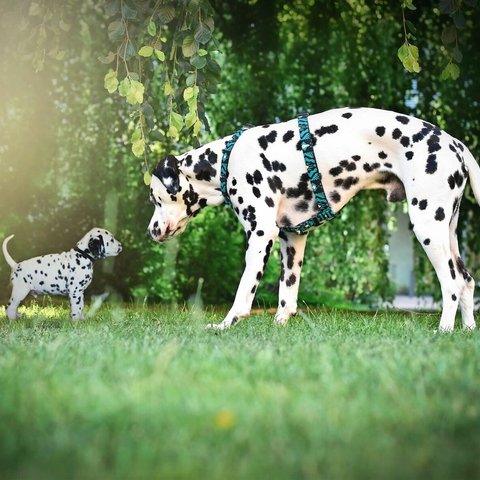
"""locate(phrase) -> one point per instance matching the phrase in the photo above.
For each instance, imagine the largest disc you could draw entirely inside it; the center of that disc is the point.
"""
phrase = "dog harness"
(325, 213)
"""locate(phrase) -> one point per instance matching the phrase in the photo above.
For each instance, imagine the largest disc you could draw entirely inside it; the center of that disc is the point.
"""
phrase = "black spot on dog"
(335, 171)
(301, 206)
(291, 280)
(356, 158)
(288, 136)
(275, 184)
(278, 166)
(260, 233)
(426, 241)
(382, 155)
(269, 202)
(422, 204)
(249, 179)
(348, 182)
(257, 177)
(256, 192)
(414, 201)
(335, 197)
(326, 130)
(266, 163)
(452, 270)
(396, 134)
(439, 214)
(454, 297)
(409, 155)
(405, 141)
(402, 119)
(433, 143)
(387, 165)
(347, 115)
(431, 164)
(380, 131)
(462, 270)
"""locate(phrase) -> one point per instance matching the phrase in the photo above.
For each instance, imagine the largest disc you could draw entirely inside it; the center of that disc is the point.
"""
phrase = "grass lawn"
(137, 393)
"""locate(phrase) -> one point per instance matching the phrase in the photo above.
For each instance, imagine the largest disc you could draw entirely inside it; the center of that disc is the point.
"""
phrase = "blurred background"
(66, 166)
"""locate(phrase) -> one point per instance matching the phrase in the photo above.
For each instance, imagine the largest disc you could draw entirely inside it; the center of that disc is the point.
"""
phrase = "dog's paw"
(217, 326)
(281, 319)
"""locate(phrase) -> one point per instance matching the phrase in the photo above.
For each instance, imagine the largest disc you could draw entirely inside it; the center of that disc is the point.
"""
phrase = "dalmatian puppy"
(355, 149)
(67, 273)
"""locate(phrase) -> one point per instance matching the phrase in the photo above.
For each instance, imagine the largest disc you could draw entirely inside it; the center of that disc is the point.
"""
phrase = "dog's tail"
(7, 256)
(473, 173)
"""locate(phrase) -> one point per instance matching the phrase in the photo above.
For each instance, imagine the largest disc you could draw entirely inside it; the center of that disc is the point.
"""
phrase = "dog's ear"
(168, 173)
(97, 247)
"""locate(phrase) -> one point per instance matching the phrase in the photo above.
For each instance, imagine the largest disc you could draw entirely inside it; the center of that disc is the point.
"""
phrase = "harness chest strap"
(325, 213)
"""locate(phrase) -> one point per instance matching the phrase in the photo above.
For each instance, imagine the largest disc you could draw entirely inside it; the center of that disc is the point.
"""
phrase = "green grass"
(135, 394)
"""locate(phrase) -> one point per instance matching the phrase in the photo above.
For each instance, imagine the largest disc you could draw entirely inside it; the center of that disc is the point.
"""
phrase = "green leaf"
(202, 33)
(201, 52)
(190, 118)
(190, 80)
(198, 62)
(189, 46)
(452, 71)
(166, 13)
(197, 127)
(146, 51)
(116, 30)
(168, 89)
(147, 178)
(176, 120)
(136, 135)
(160, 55)
(457, 54)
(449, 35)
(408, 55)
(152, 28)
(107, 58)
(135, 94)
(188, 93)
(110, 81)
(128, 11)
(124, 87)
(172, 132)
(138, 147)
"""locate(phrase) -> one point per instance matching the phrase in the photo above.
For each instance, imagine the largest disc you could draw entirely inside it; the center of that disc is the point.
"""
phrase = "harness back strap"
(325, 213)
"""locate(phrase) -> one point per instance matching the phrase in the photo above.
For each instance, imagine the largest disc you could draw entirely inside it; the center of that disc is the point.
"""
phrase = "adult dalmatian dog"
(67, 273)
(273, 190)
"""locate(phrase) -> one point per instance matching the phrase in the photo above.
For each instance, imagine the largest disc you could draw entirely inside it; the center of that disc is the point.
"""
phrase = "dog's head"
(176, 201)
(100, 243)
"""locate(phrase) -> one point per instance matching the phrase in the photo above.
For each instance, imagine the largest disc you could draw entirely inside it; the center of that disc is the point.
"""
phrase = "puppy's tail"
(473, 173)
(7, 256)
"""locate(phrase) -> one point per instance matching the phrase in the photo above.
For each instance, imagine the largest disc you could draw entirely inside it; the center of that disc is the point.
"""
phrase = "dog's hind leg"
(467, 284)
(19, 292)
(434, 236)
(292, 248)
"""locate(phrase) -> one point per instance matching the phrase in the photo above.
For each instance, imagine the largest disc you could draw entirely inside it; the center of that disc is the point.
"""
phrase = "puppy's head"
(100, 243)
(176, 202)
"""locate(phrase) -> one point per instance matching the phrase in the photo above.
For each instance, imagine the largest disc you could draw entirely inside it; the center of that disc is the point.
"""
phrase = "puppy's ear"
(97, 247)
(168, 173)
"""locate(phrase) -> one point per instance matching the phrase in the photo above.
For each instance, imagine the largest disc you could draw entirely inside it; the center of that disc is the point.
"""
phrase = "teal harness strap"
(224, 166)
(325, 213)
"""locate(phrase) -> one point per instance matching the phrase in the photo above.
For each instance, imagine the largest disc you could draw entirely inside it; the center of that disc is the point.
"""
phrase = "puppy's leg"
(292, 247)
(256, 257)
(19, 292)
(76, 305)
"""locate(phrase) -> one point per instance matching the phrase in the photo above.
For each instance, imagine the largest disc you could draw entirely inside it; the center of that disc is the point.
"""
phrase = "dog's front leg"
(76, 304)
(292, 248)
(256, 257)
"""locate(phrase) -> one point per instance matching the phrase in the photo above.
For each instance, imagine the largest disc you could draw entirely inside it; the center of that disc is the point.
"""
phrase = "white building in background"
(401, 255)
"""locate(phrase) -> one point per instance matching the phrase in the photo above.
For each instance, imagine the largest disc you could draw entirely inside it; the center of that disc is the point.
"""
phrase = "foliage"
(280, 58)
(136, 393)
